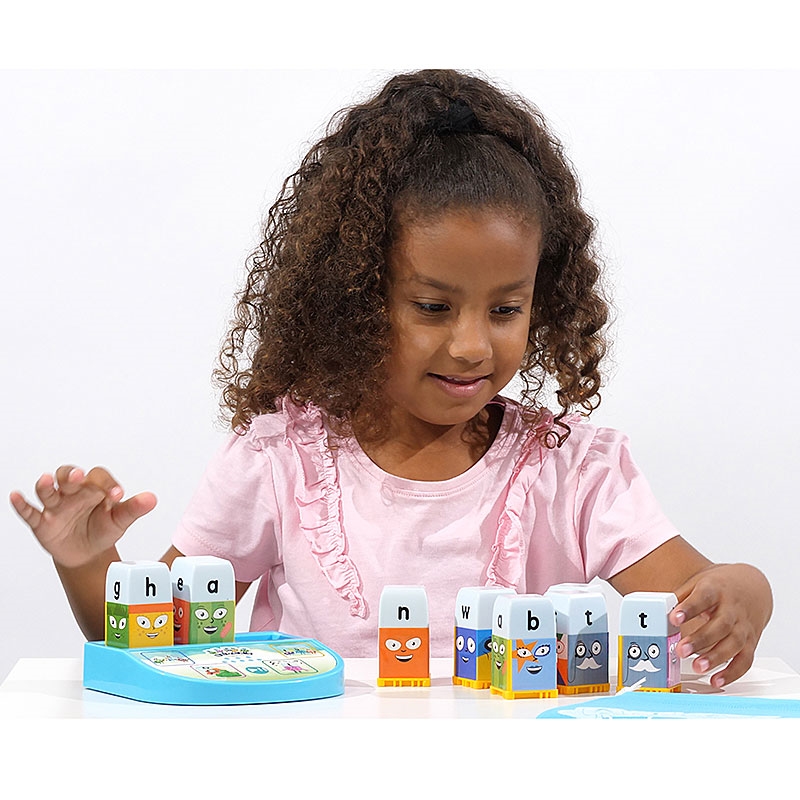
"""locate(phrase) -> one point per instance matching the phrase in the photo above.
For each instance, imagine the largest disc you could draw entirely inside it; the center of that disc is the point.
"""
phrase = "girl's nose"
(470, 340)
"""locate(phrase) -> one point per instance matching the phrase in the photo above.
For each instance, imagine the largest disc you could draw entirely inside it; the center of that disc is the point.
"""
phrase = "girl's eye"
(507, 311)
(431, 308)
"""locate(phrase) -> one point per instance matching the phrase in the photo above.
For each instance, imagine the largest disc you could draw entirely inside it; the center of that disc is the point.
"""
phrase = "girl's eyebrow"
(416, 277)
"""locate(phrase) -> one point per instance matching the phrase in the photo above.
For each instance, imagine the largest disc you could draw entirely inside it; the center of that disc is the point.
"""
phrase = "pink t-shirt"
(325, 530)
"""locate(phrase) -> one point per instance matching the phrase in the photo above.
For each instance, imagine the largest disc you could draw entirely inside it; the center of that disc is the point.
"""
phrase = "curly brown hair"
(312, 321)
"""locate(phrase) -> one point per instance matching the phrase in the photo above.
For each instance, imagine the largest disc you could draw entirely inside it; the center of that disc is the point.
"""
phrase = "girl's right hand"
(82, 516)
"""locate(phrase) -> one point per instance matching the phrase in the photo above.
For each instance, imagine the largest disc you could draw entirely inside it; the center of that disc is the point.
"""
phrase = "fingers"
(698, 599)
(125, 514)
(737, 667)
(25, 510)
(65, 483)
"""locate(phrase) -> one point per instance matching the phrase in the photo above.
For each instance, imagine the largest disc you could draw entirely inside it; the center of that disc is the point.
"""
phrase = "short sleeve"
(617, 516)
(234, 513)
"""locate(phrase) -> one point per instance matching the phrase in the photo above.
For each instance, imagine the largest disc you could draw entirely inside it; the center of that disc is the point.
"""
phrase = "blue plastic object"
(269, 667)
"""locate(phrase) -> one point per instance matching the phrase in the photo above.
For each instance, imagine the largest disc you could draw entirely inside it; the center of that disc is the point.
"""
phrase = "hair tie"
(458, 118)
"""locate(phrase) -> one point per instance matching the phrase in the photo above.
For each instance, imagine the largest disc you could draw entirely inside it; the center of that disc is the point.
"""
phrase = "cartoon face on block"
(471, 653)
(501, 649)
(588, 661)
(535, 665)
(180, 618)
(404, 652)
(116, 625)
(210, 621)
(644, 658)
(562, 658)
(150, 626)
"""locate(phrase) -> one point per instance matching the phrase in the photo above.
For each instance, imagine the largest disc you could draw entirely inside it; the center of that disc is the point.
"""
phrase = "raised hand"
(82, 515)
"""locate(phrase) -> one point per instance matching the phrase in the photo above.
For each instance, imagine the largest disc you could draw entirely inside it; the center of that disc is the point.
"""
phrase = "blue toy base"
(269, 667)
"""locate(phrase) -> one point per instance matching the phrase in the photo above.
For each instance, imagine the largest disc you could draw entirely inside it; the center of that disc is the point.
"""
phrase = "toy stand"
(264, 667)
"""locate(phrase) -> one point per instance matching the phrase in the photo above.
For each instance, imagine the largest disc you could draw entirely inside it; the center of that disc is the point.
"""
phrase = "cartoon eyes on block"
(202, 613)
(469, 643)
(581, 649)
(634, 651)
(159, 622)
(412, 644)
(120, 624)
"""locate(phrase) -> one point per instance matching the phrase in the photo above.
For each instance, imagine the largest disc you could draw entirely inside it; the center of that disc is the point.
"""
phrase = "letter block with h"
(138, 605)
(648, 643)
(472, 662)
(524, 647)
(403, 637)
(204, 594)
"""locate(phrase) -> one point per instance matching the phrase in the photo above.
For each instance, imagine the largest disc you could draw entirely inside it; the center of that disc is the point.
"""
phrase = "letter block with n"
(138, 605)
(403, 637)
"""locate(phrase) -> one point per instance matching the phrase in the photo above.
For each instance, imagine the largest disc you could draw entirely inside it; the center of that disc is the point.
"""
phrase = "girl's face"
(461, 288)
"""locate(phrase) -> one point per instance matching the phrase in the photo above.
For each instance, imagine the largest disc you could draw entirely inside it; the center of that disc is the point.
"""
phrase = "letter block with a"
(524, 647)
(138, 605)
(403, 637)
(204, 594)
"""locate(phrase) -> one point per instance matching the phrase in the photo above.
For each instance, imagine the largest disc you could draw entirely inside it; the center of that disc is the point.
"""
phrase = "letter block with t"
(648, 643)
(204, 593)
(524, 647)
(581, 638)
(472, 651)
(138, 604)
(403, 637)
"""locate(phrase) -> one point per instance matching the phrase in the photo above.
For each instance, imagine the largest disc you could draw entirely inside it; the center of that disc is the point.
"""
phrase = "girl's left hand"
(722, 611)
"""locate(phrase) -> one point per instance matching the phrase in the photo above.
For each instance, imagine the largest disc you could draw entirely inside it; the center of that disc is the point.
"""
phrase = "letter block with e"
(138, 605)
(403, 637)
(524, 647)
(204, 594)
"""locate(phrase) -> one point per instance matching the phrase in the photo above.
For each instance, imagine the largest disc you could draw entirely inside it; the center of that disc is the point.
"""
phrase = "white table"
(42, 688)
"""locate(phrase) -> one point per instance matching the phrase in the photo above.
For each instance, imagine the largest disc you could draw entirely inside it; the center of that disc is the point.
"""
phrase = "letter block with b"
(138, 605)
(524, 647)
(204, 593)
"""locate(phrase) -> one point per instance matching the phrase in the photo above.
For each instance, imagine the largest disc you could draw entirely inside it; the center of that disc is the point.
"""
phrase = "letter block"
(138, 605)
(472, 651)
(648, 643)
(581, 638)
(524, 647)
(403, 637)
(204, 595)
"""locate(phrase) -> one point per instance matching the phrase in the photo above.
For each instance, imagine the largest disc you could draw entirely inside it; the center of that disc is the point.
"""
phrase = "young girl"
(431, 247)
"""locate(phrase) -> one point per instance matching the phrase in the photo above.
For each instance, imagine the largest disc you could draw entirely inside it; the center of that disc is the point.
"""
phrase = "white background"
(130, 199)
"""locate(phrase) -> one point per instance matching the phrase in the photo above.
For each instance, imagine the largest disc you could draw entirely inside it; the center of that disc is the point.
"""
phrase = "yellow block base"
(675, 688)
(593, 688)
(508, 695)
(471, 684)
(404, 681)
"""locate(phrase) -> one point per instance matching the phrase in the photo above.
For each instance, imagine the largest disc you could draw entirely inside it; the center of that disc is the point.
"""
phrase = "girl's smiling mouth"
(460, 386)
